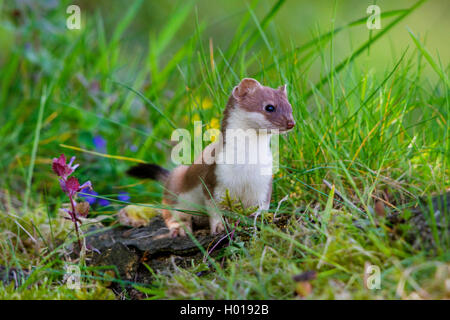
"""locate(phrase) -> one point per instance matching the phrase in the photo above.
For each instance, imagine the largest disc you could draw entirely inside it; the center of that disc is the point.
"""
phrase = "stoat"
(205, 183)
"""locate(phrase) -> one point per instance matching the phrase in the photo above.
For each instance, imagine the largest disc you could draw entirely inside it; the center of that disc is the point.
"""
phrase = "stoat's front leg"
(216, 221)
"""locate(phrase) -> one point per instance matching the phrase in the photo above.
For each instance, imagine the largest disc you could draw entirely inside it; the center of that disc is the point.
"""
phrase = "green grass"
(367, 133)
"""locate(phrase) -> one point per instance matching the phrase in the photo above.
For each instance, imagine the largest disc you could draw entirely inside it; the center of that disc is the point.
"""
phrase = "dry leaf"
(379, 208)
(82, 208)
(303, 288)
(136, 216)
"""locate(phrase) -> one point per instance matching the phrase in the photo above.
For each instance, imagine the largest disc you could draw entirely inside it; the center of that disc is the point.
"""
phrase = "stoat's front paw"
(216, 227)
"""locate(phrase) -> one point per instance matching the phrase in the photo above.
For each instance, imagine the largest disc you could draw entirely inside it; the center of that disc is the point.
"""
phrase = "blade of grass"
(429, 58)
(150, 103)
(109, 156)
(326, 37)
(35, 147)
(366, 45)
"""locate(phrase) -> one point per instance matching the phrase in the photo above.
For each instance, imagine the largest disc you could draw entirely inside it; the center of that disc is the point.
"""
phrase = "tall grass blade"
(37, 133)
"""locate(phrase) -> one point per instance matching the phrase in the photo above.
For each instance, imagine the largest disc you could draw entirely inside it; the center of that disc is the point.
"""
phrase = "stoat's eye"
(269, 108)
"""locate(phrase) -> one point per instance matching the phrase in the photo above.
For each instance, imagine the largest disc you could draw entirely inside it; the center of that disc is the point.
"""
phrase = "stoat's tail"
(149, 171)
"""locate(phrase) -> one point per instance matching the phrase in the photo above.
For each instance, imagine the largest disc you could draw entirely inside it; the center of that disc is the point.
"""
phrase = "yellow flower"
(206, 103)
(214, 124)
(195, 117)
(201, 103)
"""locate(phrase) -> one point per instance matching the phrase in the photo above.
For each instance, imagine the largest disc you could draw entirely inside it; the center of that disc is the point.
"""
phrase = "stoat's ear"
(247, 86)
(283, 89)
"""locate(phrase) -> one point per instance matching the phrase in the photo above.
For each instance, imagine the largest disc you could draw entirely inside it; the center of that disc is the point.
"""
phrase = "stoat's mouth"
(278, 130)
(284, 131)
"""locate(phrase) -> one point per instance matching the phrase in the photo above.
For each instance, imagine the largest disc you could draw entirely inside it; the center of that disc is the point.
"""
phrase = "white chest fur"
(250, 181)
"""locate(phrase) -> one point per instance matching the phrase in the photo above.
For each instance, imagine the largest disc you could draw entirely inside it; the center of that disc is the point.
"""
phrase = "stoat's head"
(258, 107)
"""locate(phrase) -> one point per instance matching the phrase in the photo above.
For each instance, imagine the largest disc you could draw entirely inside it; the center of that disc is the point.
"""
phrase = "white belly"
(244, 182)
(247, 181)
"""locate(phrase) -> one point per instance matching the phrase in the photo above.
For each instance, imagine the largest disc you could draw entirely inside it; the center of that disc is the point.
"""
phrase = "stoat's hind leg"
(178, 222)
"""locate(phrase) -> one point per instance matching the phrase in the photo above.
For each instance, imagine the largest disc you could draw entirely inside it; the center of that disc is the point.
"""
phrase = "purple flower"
(88, 198)
(133, 148)
(123, 196)
(99, 143)
(71, 187)
(62, 169)
(103, 202)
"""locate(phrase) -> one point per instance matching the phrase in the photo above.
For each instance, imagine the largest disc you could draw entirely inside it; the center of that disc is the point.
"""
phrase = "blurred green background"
(295, 23)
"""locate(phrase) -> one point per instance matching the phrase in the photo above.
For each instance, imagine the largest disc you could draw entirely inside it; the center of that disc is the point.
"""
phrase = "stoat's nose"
(290, 124)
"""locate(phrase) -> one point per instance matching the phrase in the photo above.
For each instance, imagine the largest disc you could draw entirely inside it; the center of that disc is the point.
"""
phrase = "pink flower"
(71, 186)
(62, 169)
